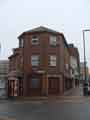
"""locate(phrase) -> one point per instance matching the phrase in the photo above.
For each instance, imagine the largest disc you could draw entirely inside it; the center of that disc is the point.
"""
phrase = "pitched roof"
(41, 29)
(45, 29)
(73, 50)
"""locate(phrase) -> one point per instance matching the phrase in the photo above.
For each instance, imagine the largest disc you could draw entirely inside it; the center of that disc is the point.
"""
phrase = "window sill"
(35, 44)
(52, 66)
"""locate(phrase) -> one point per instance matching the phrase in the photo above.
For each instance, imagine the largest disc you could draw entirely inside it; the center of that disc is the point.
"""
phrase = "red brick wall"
(44, 50)
(15, 60)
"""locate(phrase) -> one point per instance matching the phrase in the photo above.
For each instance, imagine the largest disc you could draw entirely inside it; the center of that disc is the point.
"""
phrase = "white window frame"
(53, 60)
(35, 60)
(35, 39)
(66, 66)
(53, 40)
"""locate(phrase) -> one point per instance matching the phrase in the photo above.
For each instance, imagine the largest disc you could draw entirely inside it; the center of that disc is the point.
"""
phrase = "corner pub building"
(37, 66)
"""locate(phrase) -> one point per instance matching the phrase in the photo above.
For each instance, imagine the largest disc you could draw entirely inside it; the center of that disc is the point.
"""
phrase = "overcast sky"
(67, 16)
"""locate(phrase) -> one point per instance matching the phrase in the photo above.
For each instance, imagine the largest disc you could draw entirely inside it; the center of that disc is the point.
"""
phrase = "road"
(75, 109)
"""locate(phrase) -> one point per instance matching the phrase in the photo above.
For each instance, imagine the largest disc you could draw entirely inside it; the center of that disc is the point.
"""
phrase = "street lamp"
(85, 74)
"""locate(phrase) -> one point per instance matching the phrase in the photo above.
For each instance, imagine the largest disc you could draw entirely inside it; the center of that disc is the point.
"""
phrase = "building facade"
(4, 67)
(15, 75)
(82, 72)
(67, 76)
(40, 66)
(74, 65)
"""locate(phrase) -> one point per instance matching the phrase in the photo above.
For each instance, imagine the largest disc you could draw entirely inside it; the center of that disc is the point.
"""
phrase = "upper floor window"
(35, 40)
(34, 60)
(66, 66)
(53, 40)
(53, 60)
(21, 44)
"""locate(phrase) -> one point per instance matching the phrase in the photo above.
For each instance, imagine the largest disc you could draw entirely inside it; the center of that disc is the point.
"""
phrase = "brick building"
(15, 76)
(40, 66)
(67, 77)
(82, 72)
(74, 65)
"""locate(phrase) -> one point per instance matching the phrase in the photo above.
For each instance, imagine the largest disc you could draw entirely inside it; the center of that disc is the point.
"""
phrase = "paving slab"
(6, 118)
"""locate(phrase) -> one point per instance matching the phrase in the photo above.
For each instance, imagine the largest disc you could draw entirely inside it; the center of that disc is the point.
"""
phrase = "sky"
(67, 16)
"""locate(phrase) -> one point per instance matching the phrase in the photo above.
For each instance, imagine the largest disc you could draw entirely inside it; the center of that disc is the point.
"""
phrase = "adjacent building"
(40, 66)
(82, 72)
(4, 67)
(74, 65)
(15, 75)
(67, 78)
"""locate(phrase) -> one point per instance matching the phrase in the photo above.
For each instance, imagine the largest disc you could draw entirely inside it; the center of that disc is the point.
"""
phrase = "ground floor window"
(35, 83)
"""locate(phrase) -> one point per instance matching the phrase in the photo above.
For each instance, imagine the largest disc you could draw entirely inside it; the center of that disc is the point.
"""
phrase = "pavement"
(6, 118)
(74, 92)
(54, 110)
(69, 107)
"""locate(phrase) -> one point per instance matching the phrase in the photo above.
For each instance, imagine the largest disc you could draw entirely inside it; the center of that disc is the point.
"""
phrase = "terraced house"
(40, 66)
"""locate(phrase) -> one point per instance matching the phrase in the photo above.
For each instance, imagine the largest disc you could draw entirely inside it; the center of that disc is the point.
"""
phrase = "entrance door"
(35, 89)
(53, 85)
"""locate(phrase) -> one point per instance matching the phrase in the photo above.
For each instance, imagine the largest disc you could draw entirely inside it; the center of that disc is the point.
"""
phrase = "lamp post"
(85, 74)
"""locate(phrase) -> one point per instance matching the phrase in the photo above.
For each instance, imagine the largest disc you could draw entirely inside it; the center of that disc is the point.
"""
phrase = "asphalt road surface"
(75, 109)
